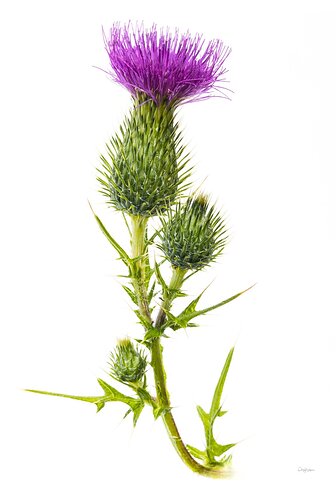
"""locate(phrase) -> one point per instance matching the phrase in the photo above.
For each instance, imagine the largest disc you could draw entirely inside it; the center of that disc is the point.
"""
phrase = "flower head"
(128, 363)
(146, 167)
(166, 66)
(194, 234)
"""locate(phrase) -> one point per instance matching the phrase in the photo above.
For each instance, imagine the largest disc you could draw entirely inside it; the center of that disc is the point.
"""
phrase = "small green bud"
(194, 234)
(128, 363)
(144, 171)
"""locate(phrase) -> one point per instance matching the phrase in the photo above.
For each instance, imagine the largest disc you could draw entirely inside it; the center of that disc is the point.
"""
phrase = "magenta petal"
(166, 66)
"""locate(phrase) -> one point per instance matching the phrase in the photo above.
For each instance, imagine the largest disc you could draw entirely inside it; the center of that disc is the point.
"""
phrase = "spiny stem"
(161, 385)
(140, 253)
(168, 419)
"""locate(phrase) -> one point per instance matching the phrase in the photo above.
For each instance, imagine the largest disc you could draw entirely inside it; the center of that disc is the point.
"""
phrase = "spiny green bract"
(194, 234)
(145, 169)
(127, 363)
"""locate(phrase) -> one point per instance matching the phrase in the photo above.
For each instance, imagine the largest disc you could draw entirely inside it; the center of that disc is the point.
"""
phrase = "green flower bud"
(128, 363)
(144, 171)
(194, 234)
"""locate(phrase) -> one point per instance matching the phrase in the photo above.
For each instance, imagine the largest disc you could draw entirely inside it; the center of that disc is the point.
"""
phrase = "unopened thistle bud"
(144, 170)
(127, 363)
(194, 234)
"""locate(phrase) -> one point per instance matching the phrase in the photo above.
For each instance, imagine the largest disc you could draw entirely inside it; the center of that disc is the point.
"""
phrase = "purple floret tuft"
(167, 67)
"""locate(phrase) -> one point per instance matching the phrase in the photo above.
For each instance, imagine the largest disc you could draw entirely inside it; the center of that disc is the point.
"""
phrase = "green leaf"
(214, 452)
(151, 292)
(204, 416)
(220, 304)
(216, 400)
(201, 455)
(190, 312)
(146, 397)
(143, 320)
(160, 279)
(110, 394)
(131, 294)
(122, 254)
(219, 449)
(153, 333)
(160, 410)
(137, 409)
(221, 413)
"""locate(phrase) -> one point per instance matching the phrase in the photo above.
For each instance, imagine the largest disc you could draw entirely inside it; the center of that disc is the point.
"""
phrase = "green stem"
(140, 253)
(163, 398)
(140, 265)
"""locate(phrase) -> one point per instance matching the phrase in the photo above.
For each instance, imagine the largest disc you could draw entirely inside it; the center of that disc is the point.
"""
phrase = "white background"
(268, 158)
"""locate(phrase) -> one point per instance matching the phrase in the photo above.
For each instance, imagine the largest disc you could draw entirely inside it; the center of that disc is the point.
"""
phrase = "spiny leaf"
(191, 308)
(214, 452)
(190, 312)
(221, 413)
(160, 410)
(219, 449)
(151, 292)
(153, 333)
(131, 294)
(146, 397)
(204, 416)
(137, 409)
(110, 394)
(220, 304)
(97, 400)
(216, 400)
(122, 254)
(143, 320)
(201, 455)
(160, 278)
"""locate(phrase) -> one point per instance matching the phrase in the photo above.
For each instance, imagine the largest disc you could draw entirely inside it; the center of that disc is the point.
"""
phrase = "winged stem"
(139, 249)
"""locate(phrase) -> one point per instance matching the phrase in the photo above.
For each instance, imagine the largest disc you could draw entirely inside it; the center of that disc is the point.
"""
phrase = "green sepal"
(214, 453)
(190, 312)
(110, 394)
(122, 253)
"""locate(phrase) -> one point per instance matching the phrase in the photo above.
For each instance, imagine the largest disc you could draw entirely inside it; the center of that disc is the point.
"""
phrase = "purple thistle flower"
(167, 67)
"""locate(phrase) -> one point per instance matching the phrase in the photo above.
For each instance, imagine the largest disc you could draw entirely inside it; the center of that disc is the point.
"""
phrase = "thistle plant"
(145, 173)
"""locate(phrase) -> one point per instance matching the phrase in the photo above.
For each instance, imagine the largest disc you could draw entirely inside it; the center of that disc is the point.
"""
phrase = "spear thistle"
(144, 174)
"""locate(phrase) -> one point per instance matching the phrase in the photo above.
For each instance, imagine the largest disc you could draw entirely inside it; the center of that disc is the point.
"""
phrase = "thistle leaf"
(110, 394)
(219, 449)
(190, 312)
(131, 294)
(151, 292)
(143, 320)
(205, 417)
(160, 279)
(160, 410)
(153, 333)
(214, 452)
(201, 455)
(122, 253)
(216, 400)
